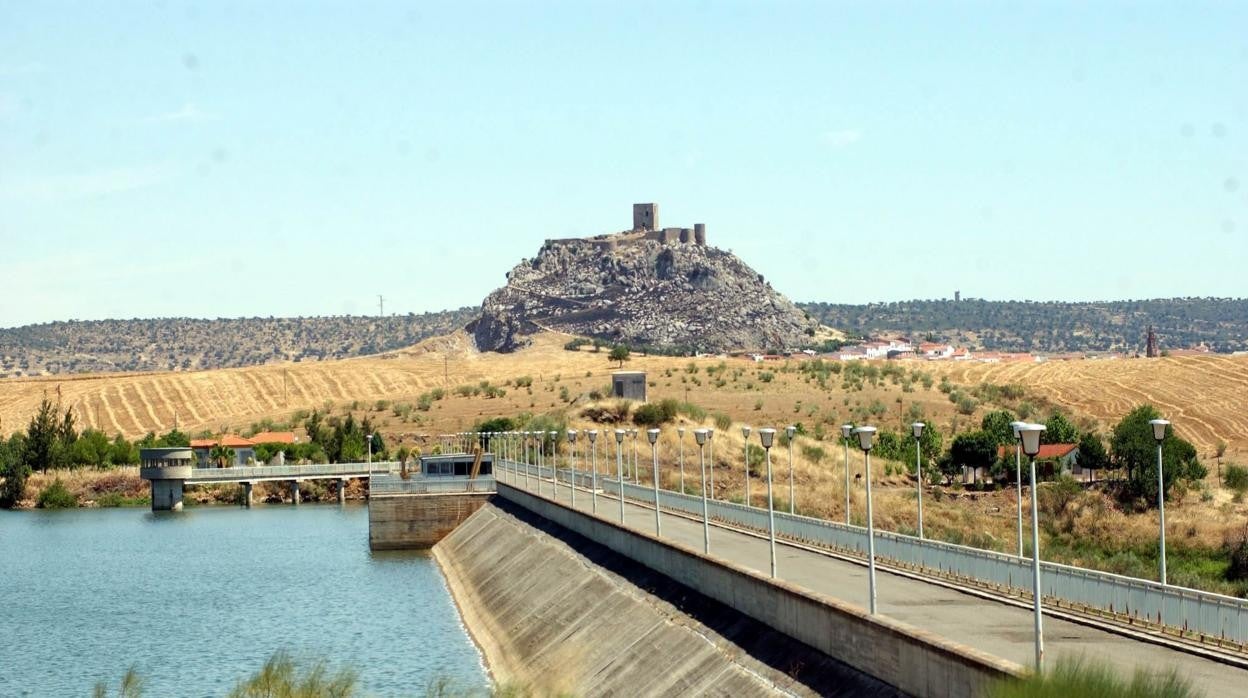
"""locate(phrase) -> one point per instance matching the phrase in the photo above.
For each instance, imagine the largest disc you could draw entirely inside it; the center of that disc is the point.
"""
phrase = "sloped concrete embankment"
(555, 611)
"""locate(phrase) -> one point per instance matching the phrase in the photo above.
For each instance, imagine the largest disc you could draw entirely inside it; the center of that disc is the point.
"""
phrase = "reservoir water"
(200, 599)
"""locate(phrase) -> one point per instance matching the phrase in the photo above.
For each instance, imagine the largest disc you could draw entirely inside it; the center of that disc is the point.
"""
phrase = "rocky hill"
(180, 344)
(630, 289)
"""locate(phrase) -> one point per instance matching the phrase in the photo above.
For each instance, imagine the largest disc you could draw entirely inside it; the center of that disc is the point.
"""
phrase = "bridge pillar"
(342, 490)
(167, 469)
(247, 494)
(294, 492)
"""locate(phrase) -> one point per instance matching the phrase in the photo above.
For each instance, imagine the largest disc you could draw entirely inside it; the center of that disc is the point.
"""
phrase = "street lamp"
(554, 464)
(636, 475)
(702, 436)
(865, 437)
(370, 448)
(593, 464)
(652, 435)
(1030, 436)
(917, 430)
(680, 431)
(1018, 477)
(572, 459)
(789, 431)
(710, 441)
(619, 468)
(847, 430)
(745, 440)
(1159, 435)
(767, 436)
(524, 440)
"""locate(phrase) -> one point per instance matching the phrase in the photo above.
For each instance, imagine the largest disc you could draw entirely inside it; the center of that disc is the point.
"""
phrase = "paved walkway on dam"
(991, 626)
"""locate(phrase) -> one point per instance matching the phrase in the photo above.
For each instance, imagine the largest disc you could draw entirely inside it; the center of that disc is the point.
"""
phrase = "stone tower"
(1150, 349)
(645, 216)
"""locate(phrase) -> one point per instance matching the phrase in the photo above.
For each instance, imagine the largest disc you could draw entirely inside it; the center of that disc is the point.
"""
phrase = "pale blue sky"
(282, 158)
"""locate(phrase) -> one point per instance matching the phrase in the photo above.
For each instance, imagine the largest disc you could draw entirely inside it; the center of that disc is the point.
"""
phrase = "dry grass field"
(1205, 396)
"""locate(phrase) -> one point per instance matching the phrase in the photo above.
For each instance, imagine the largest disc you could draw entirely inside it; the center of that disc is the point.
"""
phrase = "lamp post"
(710, 442)
(524, 439)
(619, 468)
(767, 436)
(789, 431)
(1030, 434)
(701, 436)
(847, 430)
(593, 464)
(1159, 435)
(572, 472)
(865, 437)
(554, 464)
(652, 435)
(1018, 476)
(917, 430)
(370, 448)
(745, 448)
(680, 431)
(636, 475)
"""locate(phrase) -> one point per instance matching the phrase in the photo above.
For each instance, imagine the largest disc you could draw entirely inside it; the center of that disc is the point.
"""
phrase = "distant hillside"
(182, 344)
(1221, 324)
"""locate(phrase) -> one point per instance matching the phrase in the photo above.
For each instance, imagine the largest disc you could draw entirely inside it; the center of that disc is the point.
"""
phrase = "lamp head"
(1159, 429)
(1018, 427)
(1030, 434)
(592, 434)
(710, 433)
(701, 435)
(767, 436)
(745, 432)
(571, 436)
(619, 436)
(790, 431)
(847, 430)
(681, 431)
(917, 430)
(866, 435)
(652, 435)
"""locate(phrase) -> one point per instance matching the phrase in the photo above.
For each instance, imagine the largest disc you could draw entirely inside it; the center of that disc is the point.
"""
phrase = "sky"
(221, 159)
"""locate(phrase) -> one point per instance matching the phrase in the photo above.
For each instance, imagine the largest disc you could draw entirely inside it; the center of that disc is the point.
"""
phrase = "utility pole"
(381, 306)
(446, 371)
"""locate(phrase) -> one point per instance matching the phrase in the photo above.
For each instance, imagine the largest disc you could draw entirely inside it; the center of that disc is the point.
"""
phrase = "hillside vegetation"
(1021, 326)
(185, 344)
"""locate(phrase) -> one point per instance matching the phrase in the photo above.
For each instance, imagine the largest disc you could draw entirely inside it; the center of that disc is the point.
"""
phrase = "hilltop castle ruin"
(645, 227)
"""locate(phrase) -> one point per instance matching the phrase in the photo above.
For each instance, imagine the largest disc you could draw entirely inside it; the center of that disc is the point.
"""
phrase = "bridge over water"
(169, 470)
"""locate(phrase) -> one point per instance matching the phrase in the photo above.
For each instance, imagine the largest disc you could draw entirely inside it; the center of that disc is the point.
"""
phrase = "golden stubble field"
(1205, 396)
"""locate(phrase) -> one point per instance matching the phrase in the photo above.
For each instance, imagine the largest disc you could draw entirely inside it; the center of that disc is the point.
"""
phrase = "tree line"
(53, 441)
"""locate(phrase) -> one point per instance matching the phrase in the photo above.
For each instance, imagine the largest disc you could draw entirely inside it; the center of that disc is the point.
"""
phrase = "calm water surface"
(200, 599)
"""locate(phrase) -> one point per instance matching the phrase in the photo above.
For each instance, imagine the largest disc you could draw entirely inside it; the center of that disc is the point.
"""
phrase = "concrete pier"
(342, 491)
(247, 494)
(294, 492)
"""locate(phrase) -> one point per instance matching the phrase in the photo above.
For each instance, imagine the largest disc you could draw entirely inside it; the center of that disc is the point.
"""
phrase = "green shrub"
(722, 421)
(814, 454)
(56, 496)
(1236, 478)
(1070, 678)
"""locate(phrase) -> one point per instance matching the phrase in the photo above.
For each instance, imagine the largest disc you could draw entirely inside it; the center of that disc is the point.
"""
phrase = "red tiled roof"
(274, 437)
(230, 440)
(1047, 451)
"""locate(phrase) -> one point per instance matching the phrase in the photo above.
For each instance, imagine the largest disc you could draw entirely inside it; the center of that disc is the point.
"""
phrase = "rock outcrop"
(643, 293)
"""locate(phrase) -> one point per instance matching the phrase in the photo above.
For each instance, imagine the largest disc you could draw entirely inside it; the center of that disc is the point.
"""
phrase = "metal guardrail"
(1214, 616)
(269, 472)
(393, 484)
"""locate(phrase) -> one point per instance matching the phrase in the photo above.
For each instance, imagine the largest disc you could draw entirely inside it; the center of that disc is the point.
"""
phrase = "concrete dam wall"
(560, 613)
